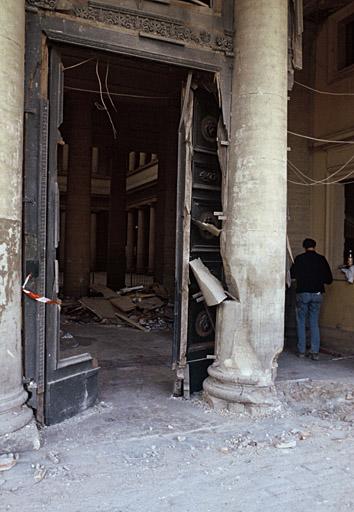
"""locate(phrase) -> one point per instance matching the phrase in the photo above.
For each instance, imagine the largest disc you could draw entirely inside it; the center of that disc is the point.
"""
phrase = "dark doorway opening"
(129, 177)
(117, 180)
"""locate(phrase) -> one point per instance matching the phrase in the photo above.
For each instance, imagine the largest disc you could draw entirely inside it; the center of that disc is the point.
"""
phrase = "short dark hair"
(308, 243)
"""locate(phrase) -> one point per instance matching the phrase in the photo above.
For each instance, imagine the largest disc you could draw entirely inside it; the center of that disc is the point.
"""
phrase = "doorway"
(129, 141)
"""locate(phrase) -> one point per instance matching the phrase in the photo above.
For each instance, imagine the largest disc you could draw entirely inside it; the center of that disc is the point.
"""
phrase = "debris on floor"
(143, 308)
(40, 472)
(100, 306)
(8, 461)
(67, 340)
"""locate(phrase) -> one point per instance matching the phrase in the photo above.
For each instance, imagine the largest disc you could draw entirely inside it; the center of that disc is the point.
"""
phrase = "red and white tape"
(35, 296)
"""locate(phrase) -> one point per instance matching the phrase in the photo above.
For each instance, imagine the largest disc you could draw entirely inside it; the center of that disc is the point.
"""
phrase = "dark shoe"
(300, 355)
(315, 356)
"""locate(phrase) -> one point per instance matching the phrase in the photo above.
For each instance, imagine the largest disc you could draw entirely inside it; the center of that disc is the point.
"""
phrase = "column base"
(24, 439)
(241, 398)
(18, 431)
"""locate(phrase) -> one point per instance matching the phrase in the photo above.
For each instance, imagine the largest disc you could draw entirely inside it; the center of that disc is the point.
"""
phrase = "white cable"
(328, 177)
(322, 140)
(297, 171)
(315, 184)
(138, 96)
(324, 92)
(336, 182)
(106, 84)
(78, 64)
(103, 102)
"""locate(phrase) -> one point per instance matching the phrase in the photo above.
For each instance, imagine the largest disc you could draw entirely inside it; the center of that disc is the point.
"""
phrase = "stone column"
(140, 246)
(142, 159)
(249, 333)
(130, 240)
(151, 266)
(16, 430)
(93, 242)
(132, 159)
(116, 262)
(78, 195)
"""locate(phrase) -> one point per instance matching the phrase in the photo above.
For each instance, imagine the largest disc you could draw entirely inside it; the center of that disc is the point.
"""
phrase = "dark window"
(346, 42)
(349, 219)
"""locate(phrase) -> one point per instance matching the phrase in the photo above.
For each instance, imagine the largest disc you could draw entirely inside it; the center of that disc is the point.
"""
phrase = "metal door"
(59, 388)
(198, 199)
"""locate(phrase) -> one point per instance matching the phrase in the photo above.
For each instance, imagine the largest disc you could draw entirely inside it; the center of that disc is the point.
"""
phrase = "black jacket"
(311, 271)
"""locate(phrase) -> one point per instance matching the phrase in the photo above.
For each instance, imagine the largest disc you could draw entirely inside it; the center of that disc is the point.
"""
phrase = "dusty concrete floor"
(139, 449)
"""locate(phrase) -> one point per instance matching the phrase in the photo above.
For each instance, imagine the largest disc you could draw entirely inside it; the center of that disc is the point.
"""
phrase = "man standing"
(312, 272)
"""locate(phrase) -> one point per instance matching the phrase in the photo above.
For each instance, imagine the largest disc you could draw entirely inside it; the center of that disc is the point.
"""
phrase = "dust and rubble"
(172, 442)
(146, 308)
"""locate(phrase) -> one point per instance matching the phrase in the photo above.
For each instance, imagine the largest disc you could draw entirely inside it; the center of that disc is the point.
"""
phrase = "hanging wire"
(106, 84)
(321, 140)
(324, 92)
(78, 64)
(301, 175)
(324, 180)
(103, 102)
(122, 95)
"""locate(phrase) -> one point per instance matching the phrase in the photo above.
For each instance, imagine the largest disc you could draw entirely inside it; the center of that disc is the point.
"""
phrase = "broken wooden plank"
(150, 304)
(130, 322)
(104, 290)
(142, 295)
(123, 291)
(100, 306)
(124, 303)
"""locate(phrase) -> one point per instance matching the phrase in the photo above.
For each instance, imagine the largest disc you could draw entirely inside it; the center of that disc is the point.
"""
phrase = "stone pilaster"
(17, 430)
(249, 333)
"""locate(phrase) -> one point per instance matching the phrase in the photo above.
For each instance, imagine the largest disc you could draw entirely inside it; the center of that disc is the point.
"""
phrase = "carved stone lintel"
(163, 27)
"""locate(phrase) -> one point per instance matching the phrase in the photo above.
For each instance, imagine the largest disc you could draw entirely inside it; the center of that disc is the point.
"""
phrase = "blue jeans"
(308, 304)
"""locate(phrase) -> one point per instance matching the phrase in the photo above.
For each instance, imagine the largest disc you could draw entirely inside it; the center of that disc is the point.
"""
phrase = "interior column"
(130, 240)
(249, 333)
(140, 247)
(116, 261)
(15, 416)
(78, 195)
(166, 201)
(152, 239)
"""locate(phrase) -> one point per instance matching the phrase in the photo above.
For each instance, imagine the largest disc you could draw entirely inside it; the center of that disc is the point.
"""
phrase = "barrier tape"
(35, 296)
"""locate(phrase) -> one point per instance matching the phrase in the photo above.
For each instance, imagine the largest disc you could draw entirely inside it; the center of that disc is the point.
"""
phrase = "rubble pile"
(144, 308)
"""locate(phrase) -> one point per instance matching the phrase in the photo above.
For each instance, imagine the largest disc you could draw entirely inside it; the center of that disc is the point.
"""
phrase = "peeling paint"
(10, 261)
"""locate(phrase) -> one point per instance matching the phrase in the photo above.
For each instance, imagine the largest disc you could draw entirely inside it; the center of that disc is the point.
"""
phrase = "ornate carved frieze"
(145, 24)
(44, 4)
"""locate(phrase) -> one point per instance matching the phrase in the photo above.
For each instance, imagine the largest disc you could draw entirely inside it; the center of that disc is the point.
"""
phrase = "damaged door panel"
(34, 216)
(198, 198)
(58, 388)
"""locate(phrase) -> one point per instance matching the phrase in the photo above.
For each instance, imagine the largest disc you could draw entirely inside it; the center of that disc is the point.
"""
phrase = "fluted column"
(15, 416)
(249, 333)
